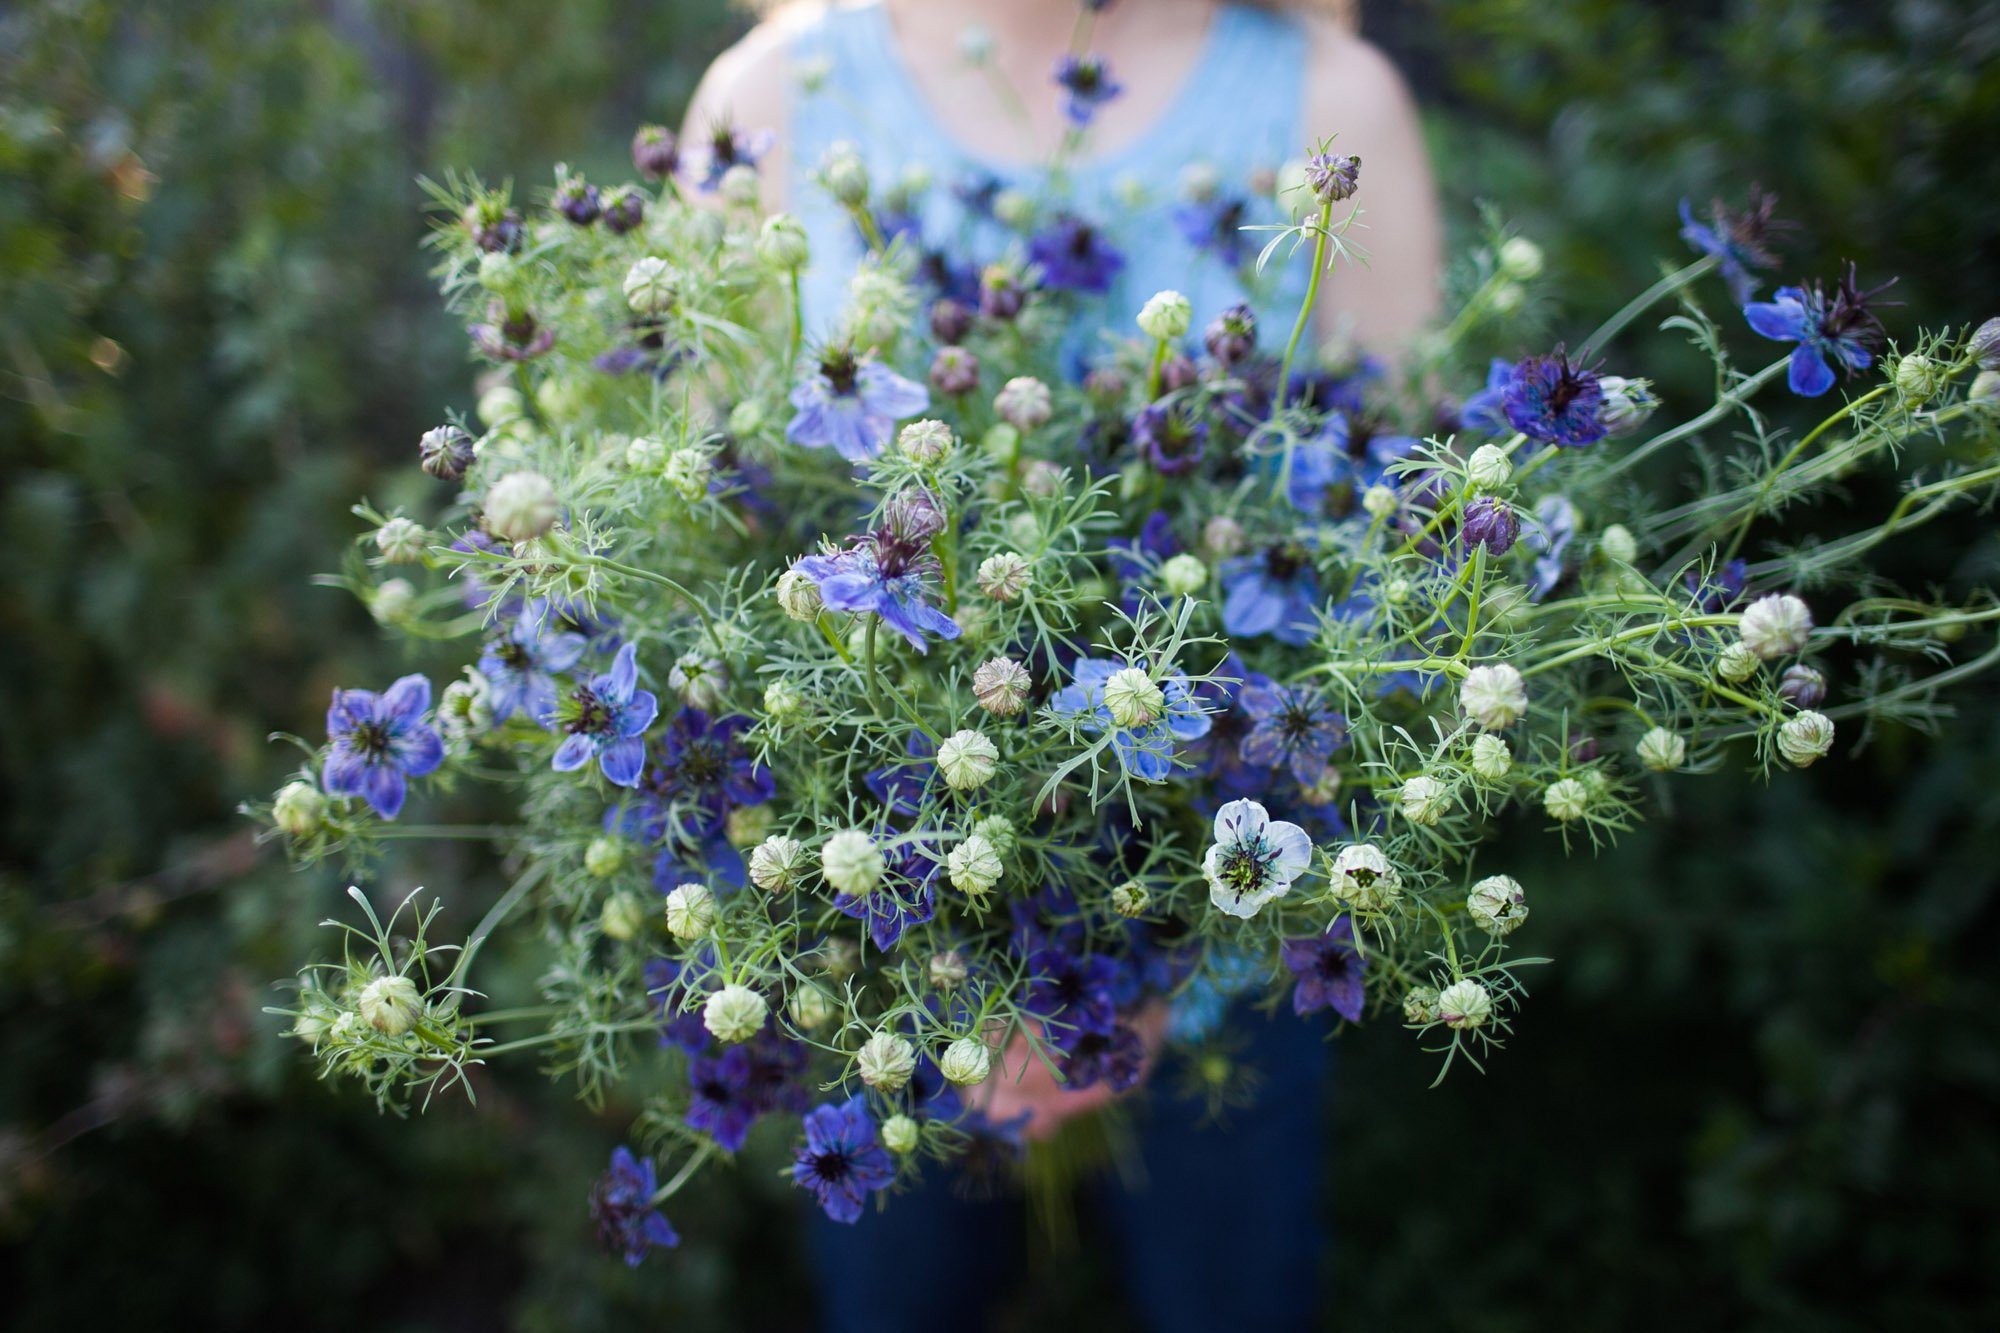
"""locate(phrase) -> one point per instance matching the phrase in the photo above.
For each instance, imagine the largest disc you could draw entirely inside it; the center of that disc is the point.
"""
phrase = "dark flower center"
(588, 714)
(1284, 561)
(1241, 869)
(840, 370)
(371, 739)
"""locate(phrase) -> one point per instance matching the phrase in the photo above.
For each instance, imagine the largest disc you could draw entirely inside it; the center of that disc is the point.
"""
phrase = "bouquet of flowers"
(888, 712)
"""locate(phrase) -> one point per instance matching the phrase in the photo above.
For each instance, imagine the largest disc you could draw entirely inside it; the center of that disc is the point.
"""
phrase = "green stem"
(798, 334)
(1771, 478)
(1673, 282)
(1320, 235)
(681, 1177)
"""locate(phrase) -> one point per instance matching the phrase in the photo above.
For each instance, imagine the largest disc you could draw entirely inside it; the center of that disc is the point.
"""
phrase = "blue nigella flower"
(1116, 1058)
(1274, 592)
(905, 896)
(1073, 256)
(729, 147)
(604, 721)
(1739, 241)
(701, 770)
(1717, 591)
(731, 1091)
(1836, 329)
(852, 406)
(1215, 226)
(1133, 559)
(901, 786)
(621, 1203)
(884, 573)
(1219, 755)
(1486, 411)
(376, 741)
(1292, 727)
(1346, 451)
(1200, 1008)
(1329, 969)
(1549, 400)
(841, 1162)
(1549, 537)
(682, 1031)
(1089, 84)
(521, 665)
(1146, 751)
(1074, 991)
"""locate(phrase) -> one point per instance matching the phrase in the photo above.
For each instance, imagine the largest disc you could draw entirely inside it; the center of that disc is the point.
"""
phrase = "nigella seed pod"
(1661, 750)
(967, 760)
(948, 970)
(1166, 316)
(974, 866)
(624, 209)
(1000, 294)
(1776, 625)
(1004, 577)
(445, 452)
(1491, 523)
(521, 506)
(1178, 373)
(734, 1014)
(900, 1135)
(1985, 345)
(1465, 1004)
(1023, 402)
(1498, 904)
(951, 321)
(954, 371)
(1803, 686)
(1333, 177)
(656, 154)
(783, 244)
(966, 1062)
(851, 862)
(1001, 686)
(886, 1061)
(578, 200)
(1232, 336)
(1805, 739)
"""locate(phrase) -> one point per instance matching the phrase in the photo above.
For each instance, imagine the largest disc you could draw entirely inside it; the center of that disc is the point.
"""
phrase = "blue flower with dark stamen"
(1073, 991)
(1172, 435)
(1330, 972)
(852, 406)
(621, 1203)
(730, 1092)
(1829, 330)
(1089, 84)
(1073, 256)
(1549, 400)
(885, 573)
(1145, 751)
(1739, 241)
(1116, 1058)
(604, 721)
(377, 741)
(1274, 592)
(728, 147)
(905, 896)
(841, 1162)
(1486, 411)
(1215, 226)
(1347, 451)
(1292, 727)
(521, 665)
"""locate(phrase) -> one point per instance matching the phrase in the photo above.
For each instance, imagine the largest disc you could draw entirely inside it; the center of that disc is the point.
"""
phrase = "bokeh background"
(1758, 1091)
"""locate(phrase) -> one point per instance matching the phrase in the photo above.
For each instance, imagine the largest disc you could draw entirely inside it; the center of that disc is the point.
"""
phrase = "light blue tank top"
(1238, 115)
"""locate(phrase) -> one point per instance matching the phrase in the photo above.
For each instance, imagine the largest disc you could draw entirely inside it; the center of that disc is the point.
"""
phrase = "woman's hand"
(1022, 1084)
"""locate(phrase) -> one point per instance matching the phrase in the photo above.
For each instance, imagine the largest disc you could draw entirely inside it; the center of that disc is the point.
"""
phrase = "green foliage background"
(1757, 1090)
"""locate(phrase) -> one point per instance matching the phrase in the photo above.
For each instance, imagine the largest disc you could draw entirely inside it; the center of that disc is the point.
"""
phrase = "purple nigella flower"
(1739, 241)
(728, 147)
(510, 336)
(1073, 991)
(1491, 523)
(1486, 410)
(376, 741)
(604, 721)
(1274, 593)
(1232, 335)
(1171, 435)
(1117, 1058)
(1549, 400)
(731, 1091)
(1090, 85)
(1215, 226)
(578, 200)
(1837, 329)
(905, 896)
(521, 664)
(1146, 750)
(841, 1161)
(1346, 449)
(1716, 592)
(1073, 256)
(884, 572)
(852, 406)
(1329, 969)
(700, 771)
(1292, 727)
(1549, 537)
(621, 1203)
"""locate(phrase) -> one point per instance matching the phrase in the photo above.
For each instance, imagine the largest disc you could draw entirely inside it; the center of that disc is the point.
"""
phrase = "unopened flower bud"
(1023, 402)
(1489, 468)
(1498, 904)
(886, 1061)
(651, 286)
(845, 175)
(622, 918)
(1423, 799)
(851, 862)
(947, 970)
(1491, 758)
(1004, 577)
(700, 681)
(521, 506)
(391, 1005)
(1736, 663)
(501, 404)
(691, 912)
(1465, 1004)
(975, 44)
(1803, 686)
(646, 454)
(1627, 404)
(748, 825)
(1333, 177)
(1520, 259)
(1805, 738)
(734, 1014)
(1985, 388)
(799, 595)
(1131, 898)
(605, 856)
(1918, 379)
(900, 1134)
(739, 186)
(1166, 316)
(445, 452)
(1618, 544)
(1379, 501)
(974, 866)
(1222, 536)
(688, 472)
(954, 371)
(393, 602)
(466, 710)
(1132, 698)
(1507, 298)
(624, 209)
(967, 760)
(925, 441)
(1363, 877)
(1491, 523)
(966, 1062)
(1662, 751)
(810, 1008)
(1567, 800)
(1493, 697)
(1001, 686)
(1014, 209)
(784, 702)
(299, 809)
(1420, 1006)
(1184, 575)
(998, 830)
(746, 418)
(778, 864)
(655, 152)
(1042, 479)
(1776, 626)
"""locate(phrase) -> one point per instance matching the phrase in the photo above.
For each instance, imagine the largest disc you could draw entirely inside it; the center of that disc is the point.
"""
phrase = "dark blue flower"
(1089, 84)
(1293, 727)
(520, 666)
(1274, 592)
(1218, 756)
(841, 1162)
(852, 406)
(901, 786)
(1486, 411)
(1145, 751)
(684, 1031)
(604, 721)
(728, 147)
(1134, 559)
(1116, 1058)
(1073, 991)
(1172, 435)
(1549, 537)
(1717, 591)
(376, 741)
(883, 573)
(1739, 241)
(1829, 331)
(1073, 256)
(905, 896)
(730, 1092)
(1215, 226)
(621, 1203)
(1349, 451)
(700, 771)
(1549, 400)
(1329, 969)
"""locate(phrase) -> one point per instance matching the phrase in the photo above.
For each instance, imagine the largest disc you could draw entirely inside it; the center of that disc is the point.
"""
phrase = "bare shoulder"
(749, 85)
(1352, 87)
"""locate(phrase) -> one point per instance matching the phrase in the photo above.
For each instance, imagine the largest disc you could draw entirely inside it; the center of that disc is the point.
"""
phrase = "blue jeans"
(1227, 1230)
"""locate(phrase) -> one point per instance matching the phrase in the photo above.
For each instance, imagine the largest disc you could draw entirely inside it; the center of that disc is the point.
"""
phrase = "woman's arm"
(749, 87)
(1353, 90)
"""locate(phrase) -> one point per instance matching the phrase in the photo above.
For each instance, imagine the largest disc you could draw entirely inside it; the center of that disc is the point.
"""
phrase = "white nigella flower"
(1254, 858)
(1363, 876)
(1776, 626)
(1494, 697)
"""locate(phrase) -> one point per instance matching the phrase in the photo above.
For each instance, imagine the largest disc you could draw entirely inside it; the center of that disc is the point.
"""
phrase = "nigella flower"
(1838, 328)
(1549, 400)
(1116, 1058)
(1215, 226)
(900, 786)
(1739, 241)
(1329, 969)
(1254, 858)
(1072, 990)
(510, 335)
(699, 771)
(1145, 749)
(1219, 755)
(520, 666)
(1171, 435)
(905, 896)
(1133, 559)
(1293, 727)
(1090, 85)
(1347, 450)
(841, 1162)
(376, 741)
(621, 1203)
(1274, 592)
(1486, 411)
(729, 147)
(1717, 591)
(683, 1031)
(729, 1092)
(1549, 537)
(884, 572)
(852, 406)
(604, 720)
(1073, 256)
